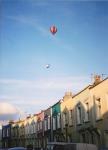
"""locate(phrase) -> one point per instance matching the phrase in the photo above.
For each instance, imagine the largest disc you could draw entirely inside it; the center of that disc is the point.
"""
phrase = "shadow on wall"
(91, 126)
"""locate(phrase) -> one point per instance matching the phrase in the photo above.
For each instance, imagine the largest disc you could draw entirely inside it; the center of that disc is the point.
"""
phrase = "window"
(31, 127)
(70, 117)
(3, 133)
(106, 101)
(40, 125)
(45, 124)
(7, 132)
(38, 128)
(64, 119)
(78, 114)
(34, 127)
(98, 108)
(86, 112)
(48, 122)
(54, 123)
(27, 128)
(58, 120)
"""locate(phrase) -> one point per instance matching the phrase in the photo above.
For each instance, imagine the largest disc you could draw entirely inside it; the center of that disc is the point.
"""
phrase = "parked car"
(70, 146)
(17, 148)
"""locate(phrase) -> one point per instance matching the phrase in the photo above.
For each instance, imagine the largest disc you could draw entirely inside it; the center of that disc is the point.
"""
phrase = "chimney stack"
(68, 93)
(97, 79)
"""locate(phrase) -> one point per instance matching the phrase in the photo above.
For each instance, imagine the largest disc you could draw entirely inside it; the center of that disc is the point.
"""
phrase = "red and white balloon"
(53, 29)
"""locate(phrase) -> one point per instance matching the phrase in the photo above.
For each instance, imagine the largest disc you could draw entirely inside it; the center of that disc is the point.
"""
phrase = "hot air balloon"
(53, 29)
(47, 66)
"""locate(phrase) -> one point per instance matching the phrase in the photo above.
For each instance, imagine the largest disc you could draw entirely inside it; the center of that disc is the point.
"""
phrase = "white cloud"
(6, 108)
(8, 111)
(48, 83)
(34, 95)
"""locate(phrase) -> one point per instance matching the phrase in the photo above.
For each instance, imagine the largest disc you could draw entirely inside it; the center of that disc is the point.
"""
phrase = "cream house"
(67, 119)
(84, 116)
(33, 134)
(91, 113)
(28, 130)
(99, 97)
(21, 129)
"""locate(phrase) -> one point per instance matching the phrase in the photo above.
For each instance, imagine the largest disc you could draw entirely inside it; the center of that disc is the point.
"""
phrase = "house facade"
(99, 97)
(67, 117)
(56, 122)
(6, 136)
(47, 126)
(40, 130)
(80, 117)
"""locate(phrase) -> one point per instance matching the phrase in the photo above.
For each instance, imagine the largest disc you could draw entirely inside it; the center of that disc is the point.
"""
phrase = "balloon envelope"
(53, 29)
(47, 66)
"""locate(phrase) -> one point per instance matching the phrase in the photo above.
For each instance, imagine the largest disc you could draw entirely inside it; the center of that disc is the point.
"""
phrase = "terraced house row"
(82, 117)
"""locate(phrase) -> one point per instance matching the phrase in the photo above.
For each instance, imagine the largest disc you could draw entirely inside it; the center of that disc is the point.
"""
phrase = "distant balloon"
(47, 66)
(53, 29)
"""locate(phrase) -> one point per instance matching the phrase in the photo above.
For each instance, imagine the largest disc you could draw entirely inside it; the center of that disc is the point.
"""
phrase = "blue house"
(6, 136)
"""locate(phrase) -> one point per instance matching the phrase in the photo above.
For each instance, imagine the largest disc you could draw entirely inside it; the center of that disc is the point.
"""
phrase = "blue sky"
(78, 49)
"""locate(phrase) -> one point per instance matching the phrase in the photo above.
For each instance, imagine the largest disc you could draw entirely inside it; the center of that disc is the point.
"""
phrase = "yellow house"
(91, 113)
(15, 134)
(33, 134)
(82, 119)
(66, 105)
(84, 116)
(21, 132)
(99, 96)
(28, 130)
